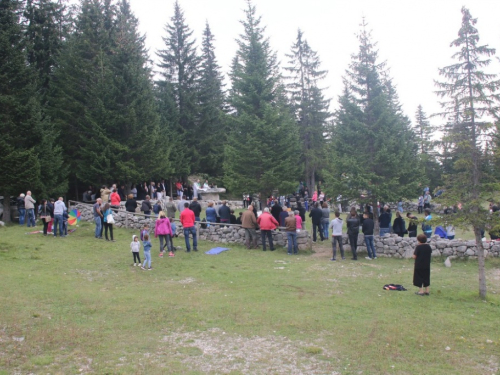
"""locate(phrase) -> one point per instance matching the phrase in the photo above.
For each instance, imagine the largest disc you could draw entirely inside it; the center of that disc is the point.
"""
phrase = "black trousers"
(319, 227)
(353, 241)
(269, 235)
(110, 227)
(136, 256)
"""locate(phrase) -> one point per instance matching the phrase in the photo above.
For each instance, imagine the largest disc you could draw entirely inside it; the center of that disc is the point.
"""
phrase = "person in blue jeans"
(97, 218)
(29, 205)
(20, 208)
(367, 229)
(325, 221)
(59, 208)
(385, 221)
(291, 233)
(147, 252)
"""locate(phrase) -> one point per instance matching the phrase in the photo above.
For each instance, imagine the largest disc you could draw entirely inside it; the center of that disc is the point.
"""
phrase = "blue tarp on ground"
(216, 250)
(440, 232)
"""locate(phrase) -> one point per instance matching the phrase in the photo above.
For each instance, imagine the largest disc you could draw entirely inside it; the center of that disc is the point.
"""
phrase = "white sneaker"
(135, 264)
(368, 258)
(374, 257)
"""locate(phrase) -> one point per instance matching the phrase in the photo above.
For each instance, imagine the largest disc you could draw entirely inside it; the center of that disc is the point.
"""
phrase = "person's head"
(224, 203)
(290, 213)
(162, 215)
(22, 195)
(210, 204)
(427, 211)
(266, 209)
(316, 205)
(250, 207)
(408, 214)
(130, 196)
(186, 204)
(231, 212)
(28, 192)
(61, 199)
(366, 215)
(353, 211)
(146, 226)
(422, 238)
(146, 237)
(43, 202)
(398, 214)
(147, 197)
(51, 200)
(106, 206)
(195, 199)
(324, 205)
(241, 213)
(135, 238)
(386, 208)
(296, 212)
(337, 214)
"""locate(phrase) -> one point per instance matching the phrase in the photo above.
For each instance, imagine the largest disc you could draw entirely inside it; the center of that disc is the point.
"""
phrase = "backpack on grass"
(397, 287)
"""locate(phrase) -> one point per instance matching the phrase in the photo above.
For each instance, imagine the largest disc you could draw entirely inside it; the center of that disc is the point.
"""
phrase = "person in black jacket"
(131, 204)
(196, 208)
(367, 228)
(276, 210)
(399, 225)
(316, 215)
(224, 213)
(353, 231)
(384, 221)
(412, 225)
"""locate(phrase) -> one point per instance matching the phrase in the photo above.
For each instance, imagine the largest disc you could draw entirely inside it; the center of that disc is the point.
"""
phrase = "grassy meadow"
(77, 305)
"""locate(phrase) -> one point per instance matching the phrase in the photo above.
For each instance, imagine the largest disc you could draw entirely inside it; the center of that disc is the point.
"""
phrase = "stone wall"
(393, 246)
(215, 233)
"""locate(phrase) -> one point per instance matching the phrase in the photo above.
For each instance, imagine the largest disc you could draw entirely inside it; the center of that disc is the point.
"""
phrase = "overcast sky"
(413, 36)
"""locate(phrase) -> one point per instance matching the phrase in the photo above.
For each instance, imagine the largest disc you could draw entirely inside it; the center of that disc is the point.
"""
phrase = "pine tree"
(423, 132)
(310, 107)
(20, 119)
(261, 152)
(373, 151)
(104, 100)
(212, 117)
(180, 67)
(470, 96)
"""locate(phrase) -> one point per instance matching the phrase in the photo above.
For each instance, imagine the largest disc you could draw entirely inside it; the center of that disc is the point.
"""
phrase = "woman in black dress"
(353, 231)
(422, 272)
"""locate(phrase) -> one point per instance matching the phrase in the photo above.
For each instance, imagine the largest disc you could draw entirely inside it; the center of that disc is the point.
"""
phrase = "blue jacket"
(147, 246)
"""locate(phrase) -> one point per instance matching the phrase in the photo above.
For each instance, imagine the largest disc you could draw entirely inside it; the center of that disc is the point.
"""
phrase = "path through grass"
(77, 305)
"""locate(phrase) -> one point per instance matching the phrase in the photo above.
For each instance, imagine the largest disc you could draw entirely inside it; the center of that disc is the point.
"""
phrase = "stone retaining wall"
(215, 233)
(386, 246)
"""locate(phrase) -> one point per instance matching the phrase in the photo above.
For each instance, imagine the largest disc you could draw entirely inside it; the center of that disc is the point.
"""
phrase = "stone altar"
(211, 194)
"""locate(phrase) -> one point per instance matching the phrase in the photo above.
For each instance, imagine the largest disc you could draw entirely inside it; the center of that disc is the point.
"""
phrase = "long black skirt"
(422, 277)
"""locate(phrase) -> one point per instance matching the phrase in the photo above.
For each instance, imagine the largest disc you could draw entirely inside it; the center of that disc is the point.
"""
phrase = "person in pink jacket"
(163, 229)
(298, 219)
(115, 199)
(267, 223)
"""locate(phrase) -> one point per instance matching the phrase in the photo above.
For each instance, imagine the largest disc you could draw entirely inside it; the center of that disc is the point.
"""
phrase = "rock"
(462, 249)
(447, 262)
(441, 244)
(436, 253)
(469, 253)
(448, 251)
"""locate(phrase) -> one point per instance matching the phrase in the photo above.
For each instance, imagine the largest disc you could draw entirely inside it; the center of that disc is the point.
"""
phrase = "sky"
(413, 36)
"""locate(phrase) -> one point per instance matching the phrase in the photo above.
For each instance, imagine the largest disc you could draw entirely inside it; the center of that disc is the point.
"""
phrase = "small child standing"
(144, 231)
(147, 252)
(135, 246)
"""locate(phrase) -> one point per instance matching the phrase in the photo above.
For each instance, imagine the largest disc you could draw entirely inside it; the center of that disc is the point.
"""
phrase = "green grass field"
(77, 306)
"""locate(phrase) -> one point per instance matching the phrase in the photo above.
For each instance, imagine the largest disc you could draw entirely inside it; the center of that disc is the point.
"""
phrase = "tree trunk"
(376, 229)
(6, 207)
(480, 262)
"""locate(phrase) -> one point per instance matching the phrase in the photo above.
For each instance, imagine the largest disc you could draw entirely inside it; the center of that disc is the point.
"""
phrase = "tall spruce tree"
(309, 105)
(373, 151)
(21, 125)
(180, 68)
(212, 108)
(103, 98)
(469, 96)
(261, 152)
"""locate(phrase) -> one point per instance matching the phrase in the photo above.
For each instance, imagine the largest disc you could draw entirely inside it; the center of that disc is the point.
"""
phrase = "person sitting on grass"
(147, 252)
(422, 271)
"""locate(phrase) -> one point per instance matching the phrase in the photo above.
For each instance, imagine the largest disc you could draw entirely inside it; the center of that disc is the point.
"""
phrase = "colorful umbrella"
(74, 217)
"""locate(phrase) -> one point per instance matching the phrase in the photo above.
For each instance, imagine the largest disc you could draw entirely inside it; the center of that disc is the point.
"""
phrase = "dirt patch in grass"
(214, 351)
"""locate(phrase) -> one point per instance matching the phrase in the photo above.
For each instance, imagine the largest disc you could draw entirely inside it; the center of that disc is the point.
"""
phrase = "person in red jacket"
(115, 199)
(267, 223)
(187, 220)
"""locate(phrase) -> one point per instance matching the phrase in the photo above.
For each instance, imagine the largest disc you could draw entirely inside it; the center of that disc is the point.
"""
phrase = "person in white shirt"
(59, 208)
(336, 227)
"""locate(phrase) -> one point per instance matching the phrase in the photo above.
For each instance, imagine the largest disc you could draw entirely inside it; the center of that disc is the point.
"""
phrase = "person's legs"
(162, 236)
(353, 241)
(31, 217)
(45, 227)
(334, 247)
(384, 231)
(168, 242)
(102, 225)
(22, 213)
(61, 222)
(325, 228)
(263, 234)
(97, 231)
(111, 231)
(247, 238)
(106, 225)
(186, 238)
(314, 231)
(341, 246)
(295, 245)
(290, 242)
(195, 239)
(270, 238)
